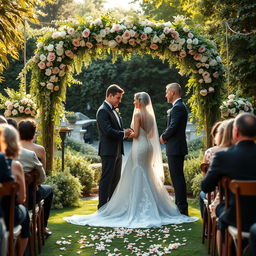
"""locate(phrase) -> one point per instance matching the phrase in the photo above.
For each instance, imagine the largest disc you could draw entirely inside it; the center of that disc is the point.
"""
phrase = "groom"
(111, 135)
(176, 146)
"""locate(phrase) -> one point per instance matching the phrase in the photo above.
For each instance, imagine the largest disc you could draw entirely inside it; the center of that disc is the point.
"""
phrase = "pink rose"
(153, 46)
(86, 33)
(76, 42)
(21, 109)
(192, 52)
(89, 45)
(201, 49)
(62, 66)
(129, 50)
(117, 27)
(132, 42)
(166, 30)
(69, 53)
(27, 111)
(144, 37)
(215, 74)
(197, 56)
(10, 107)
(126, 34)
(203, 92)
(49, 64)
(118, 39)
(183, 54)
(41, 65)
(51, 56)
(206, 75)
(175, 35)
(56, 88)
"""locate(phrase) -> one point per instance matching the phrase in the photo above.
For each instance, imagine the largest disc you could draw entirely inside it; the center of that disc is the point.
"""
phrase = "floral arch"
(64, 51)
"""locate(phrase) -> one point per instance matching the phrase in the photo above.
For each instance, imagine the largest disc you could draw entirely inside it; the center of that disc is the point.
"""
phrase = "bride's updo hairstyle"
(143, 98)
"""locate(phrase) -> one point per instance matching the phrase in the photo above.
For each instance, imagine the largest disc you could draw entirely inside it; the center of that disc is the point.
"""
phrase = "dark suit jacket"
(175, 134)
(238, 162)
(111, 133)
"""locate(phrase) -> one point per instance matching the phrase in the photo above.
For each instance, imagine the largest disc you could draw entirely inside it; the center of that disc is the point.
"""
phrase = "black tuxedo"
(176, 149)
(111, 136)
(238, 162)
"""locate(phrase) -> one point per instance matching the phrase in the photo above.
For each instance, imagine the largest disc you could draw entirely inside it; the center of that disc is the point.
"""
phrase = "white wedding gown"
(140, 199)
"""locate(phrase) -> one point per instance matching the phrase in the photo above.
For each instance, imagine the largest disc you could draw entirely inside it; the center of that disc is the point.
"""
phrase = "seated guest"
(21, 213)
(29, 158)
(253, 240)
(5, 175)
(12, 122)
(237, 162)
(27, 130)
(216, 134)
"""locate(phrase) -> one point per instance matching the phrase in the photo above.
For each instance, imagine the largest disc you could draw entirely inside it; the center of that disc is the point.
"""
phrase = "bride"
(140, 199)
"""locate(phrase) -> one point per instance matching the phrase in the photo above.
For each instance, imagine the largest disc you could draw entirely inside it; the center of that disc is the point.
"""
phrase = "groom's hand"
(127, 132)
(162, 140)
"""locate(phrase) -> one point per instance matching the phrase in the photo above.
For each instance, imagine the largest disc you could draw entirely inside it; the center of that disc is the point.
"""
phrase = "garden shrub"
(79, 167)
(191, 169)
(196, 184)
(86, 150)
(195, 147)
(66, 188)
(96, 169)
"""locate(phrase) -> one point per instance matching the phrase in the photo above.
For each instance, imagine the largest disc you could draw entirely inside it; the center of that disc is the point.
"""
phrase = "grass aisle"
(68, 239)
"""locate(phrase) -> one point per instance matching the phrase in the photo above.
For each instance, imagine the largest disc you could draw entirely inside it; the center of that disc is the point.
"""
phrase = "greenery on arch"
(62, 52)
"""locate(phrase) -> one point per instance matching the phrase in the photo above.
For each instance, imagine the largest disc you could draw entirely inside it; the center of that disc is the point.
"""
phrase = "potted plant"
(71, 117)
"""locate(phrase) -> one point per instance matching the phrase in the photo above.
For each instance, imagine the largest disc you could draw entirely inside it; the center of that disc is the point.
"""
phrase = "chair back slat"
(10, 189)
(241, 188)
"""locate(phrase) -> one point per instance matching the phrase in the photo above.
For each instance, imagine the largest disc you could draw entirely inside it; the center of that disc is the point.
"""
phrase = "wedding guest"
(27, 130)
(5, 175)
(237, 162)
(21, 213)
(253, 240)
(30, 160)
(12, 122)
(2, 120)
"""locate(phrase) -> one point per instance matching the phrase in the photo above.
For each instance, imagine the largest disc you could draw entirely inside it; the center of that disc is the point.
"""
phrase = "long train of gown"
(140, 199)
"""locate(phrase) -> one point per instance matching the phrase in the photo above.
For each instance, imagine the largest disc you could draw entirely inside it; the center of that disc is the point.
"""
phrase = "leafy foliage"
(66, 189)
(13, 14)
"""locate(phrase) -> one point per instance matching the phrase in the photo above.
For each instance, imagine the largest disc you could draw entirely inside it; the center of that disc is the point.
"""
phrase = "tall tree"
(12, 17)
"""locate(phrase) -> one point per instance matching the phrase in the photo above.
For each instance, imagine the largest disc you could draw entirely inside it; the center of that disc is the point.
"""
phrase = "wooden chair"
(36, 213)
(206, 214)
(10, 189)
(239, 188)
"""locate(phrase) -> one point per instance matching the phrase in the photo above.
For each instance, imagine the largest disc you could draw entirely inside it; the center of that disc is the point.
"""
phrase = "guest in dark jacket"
(237, 162)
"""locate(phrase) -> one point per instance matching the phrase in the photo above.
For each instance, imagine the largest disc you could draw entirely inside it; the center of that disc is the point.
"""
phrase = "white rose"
(201, 81)
(195, 41)
(59, 59)
(189, 41)
(162, 36)
(7, 113)
(60, 52)
(189, 46)
(207, 80)
(14, 112)
(16, 105)
(185, 29)
(203, 92)
(39, 45)
(218, 58)
(148, 30)
(48, 72)
(213, 62)
(112, 44)
(63, 33)
(173, 47)
(52, 78)
(42, 57)
(103, 33)
(155, 39)
(8, 103)
(204, 59)
(200, 71)
(50, 47)
(49, 86)
(42, 84)
(210, 89)
(231, 96)
(182, 41)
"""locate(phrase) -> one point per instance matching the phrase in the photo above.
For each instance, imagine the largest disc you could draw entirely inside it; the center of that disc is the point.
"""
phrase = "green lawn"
(83, 240)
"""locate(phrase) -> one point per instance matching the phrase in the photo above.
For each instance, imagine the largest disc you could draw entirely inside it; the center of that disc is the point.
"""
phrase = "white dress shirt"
(116, 115)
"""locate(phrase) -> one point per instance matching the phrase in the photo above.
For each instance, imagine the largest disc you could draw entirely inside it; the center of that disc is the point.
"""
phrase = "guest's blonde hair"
(11, 137)
(227, 140)
(2, 143)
